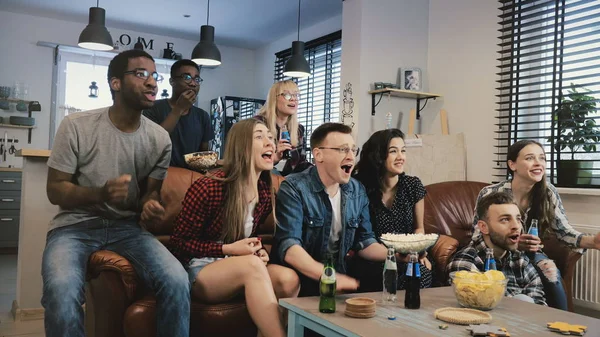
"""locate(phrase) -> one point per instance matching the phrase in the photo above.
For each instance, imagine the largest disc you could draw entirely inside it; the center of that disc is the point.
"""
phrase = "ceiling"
(239, 23)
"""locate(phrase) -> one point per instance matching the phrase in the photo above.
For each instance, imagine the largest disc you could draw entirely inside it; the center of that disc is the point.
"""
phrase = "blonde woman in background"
(281, 109)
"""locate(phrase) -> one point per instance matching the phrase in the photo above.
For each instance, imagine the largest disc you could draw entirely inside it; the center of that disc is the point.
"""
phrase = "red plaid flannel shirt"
(198, 227)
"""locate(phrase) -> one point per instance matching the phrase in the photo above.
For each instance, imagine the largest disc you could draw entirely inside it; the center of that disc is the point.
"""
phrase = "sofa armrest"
(111, 288)
(104, 260)
(442, 252)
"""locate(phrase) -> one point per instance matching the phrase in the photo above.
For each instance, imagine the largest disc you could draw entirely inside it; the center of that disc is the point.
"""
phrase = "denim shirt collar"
(317, 185)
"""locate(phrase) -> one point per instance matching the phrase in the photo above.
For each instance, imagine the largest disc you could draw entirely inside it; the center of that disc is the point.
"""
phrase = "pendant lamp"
(95, 36)
(206, 52)
(296, 65)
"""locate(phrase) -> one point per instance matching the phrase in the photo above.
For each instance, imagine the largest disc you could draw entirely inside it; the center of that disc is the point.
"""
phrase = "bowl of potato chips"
(478, 290)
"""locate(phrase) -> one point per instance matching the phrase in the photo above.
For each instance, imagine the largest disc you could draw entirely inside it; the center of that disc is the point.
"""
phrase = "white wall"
(462, 67)
(265, 56)
(21, 60)
(392, 34)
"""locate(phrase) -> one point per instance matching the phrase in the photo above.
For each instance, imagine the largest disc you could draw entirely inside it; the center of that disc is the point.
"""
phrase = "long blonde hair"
(238, 166)
(269, 110)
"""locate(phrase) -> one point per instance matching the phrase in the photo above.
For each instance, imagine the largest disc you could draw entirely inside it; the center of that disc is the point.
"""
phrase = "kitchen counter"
(10, 169)
(36, 213)
(33, 153)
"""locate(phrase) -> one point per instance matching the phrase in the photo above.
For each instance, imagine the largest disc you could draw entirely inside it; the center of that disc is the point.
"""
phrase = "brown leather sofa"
(449, 210)
(118, 306)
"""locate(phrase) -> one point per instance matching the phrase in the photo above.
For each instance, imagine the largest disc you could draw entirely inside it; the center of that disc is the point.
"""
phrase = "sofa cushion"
(226, 319)
(450, 209)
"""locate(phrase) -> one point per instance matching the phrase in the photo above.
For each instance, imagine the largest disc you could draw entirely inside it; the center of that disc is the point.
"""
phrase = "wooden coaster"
(462, 316)
(360, 302)
(359, 315)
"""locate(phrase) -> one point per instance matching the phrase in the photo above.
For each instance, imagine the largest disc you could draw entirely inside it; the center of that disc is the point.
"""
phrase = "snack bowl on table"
(409, 243)
(478, 290)
(201, 160)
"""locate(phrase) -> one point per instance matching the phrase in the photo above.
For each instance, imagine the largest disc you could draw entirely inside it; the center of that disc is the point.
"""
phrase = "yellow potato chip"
(495, 275)
(479, 290)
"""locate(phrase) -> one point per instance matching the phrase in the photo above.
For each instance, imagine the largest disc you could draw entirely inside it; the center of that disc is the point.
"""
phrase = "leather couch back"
(173, 191)
(450, 208)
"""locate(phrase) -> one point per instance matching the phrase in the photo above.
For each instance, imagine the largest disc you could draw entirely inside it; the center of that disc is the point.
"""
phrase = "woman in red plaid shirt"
(214, 234)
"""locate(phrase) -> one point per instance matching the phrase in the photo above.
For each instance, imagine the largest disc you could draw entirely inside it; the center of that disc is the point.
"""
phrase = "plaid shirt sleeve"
(466, 259)
(563, 230)
(189, 235)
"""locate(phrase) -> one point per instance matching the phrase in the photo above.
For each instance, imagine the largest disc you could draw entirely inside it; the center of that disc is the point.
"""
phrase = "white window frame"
(64, 54)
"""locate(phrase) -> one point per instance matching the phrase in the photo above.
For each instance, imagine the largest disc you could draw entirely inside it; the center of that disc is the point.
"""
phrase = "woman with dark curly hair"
(395, 201)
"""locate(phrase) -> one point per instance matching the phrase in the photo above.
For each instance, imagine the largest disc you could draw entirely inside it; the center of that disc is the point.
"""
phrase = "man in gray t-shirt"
(105, 173)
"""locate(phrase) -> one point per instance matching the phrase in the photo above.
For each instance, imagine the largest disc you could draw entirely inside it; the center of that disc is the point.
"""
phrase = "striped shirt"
(520, 273)
(560, 227)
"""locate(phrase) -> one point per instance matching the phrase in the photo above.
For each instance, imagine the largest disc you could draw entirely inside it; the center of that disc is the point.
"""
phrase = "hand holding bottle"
(529, 243)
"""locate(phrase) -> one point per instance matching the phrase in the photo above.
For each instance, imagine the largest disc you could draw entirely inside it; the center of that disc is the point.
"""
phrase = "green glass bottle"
(327, 286)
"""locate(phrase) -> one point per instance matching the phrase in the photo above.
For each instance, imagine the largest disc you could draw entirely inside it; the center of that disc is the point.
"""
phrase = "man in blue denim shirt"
(324, 211)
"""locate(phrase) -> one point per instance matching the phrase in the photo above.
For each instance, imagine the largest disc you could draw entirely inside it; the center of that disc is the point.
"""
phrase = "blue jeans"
(556, 296)
(64, 267)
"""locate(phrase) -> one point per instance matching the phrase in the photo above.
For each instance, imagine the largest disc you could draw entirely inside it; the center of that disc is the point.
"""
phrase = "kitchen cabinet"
(10, 207)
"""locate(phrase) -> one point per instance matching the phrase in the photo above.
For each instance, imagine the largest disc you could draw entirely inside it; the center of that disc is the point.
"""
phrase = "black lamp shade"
(206, 52)
(296, 65)
(95, 36)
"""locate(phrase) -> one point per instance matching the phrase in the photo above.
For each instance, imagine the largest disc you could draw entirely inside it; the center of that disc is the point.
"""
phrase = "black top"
(400, 218)
(190, 132)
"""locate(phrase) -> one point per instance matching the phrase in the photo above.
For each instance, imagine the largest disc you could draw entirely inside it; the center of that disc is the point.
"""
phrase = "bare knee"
(548, 267)
(254, 267)
(286, 283)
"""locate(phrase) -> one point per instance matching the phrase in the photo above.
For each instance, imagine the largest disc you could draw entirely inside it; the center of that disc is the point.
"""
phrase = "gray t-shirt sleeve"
(159, 172)
(65, 149)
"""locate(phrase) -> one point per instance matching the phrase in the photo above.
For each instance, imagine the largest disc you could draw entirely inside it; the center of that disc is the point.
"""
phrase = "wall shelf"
(32, 106)
(416, 95)
(14, 100)
(2, 125)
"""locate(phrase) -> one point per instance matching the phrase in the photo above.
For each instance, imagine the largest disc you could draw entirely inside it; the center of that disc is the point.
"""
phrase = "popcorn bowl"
(201, 160)
(477, 290)
(409, 243)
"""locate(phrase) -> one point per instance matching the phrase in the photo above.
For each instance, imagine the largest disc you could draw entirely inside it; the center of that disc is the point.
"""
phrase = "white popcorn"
(201, 160)
(408, 243)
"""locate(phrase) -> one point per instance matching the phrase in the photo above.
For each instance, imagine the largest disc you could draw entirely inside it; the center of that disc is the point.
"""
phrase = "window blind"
(549, 86)
(319, 93)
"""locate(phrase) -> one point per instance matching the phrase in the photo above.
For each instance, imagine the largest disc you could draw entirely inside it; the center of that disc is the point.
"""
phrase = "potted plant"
(576, 131)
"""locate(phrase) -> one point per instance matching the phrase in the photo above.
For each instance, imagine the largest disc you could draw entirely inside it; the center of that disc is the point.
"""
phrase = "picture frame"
(412, 79)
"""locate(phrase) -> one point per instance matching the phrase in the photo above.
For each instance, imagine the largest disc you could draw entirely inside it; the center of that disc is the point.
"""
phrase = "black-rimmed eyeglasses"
(144, 74)
(342, 150)
(187, 78)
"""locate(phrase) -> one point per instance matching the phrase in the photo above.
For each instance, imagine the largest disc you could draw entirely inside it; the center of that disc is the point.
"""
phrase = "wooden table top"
(518, 317)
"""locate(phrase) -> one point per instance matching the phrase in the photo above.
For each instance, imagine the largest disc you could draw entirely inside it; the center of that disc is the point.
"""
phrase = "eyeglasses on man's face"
(144, 74)
(342, 150)
(288, 96)
(187, 78)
